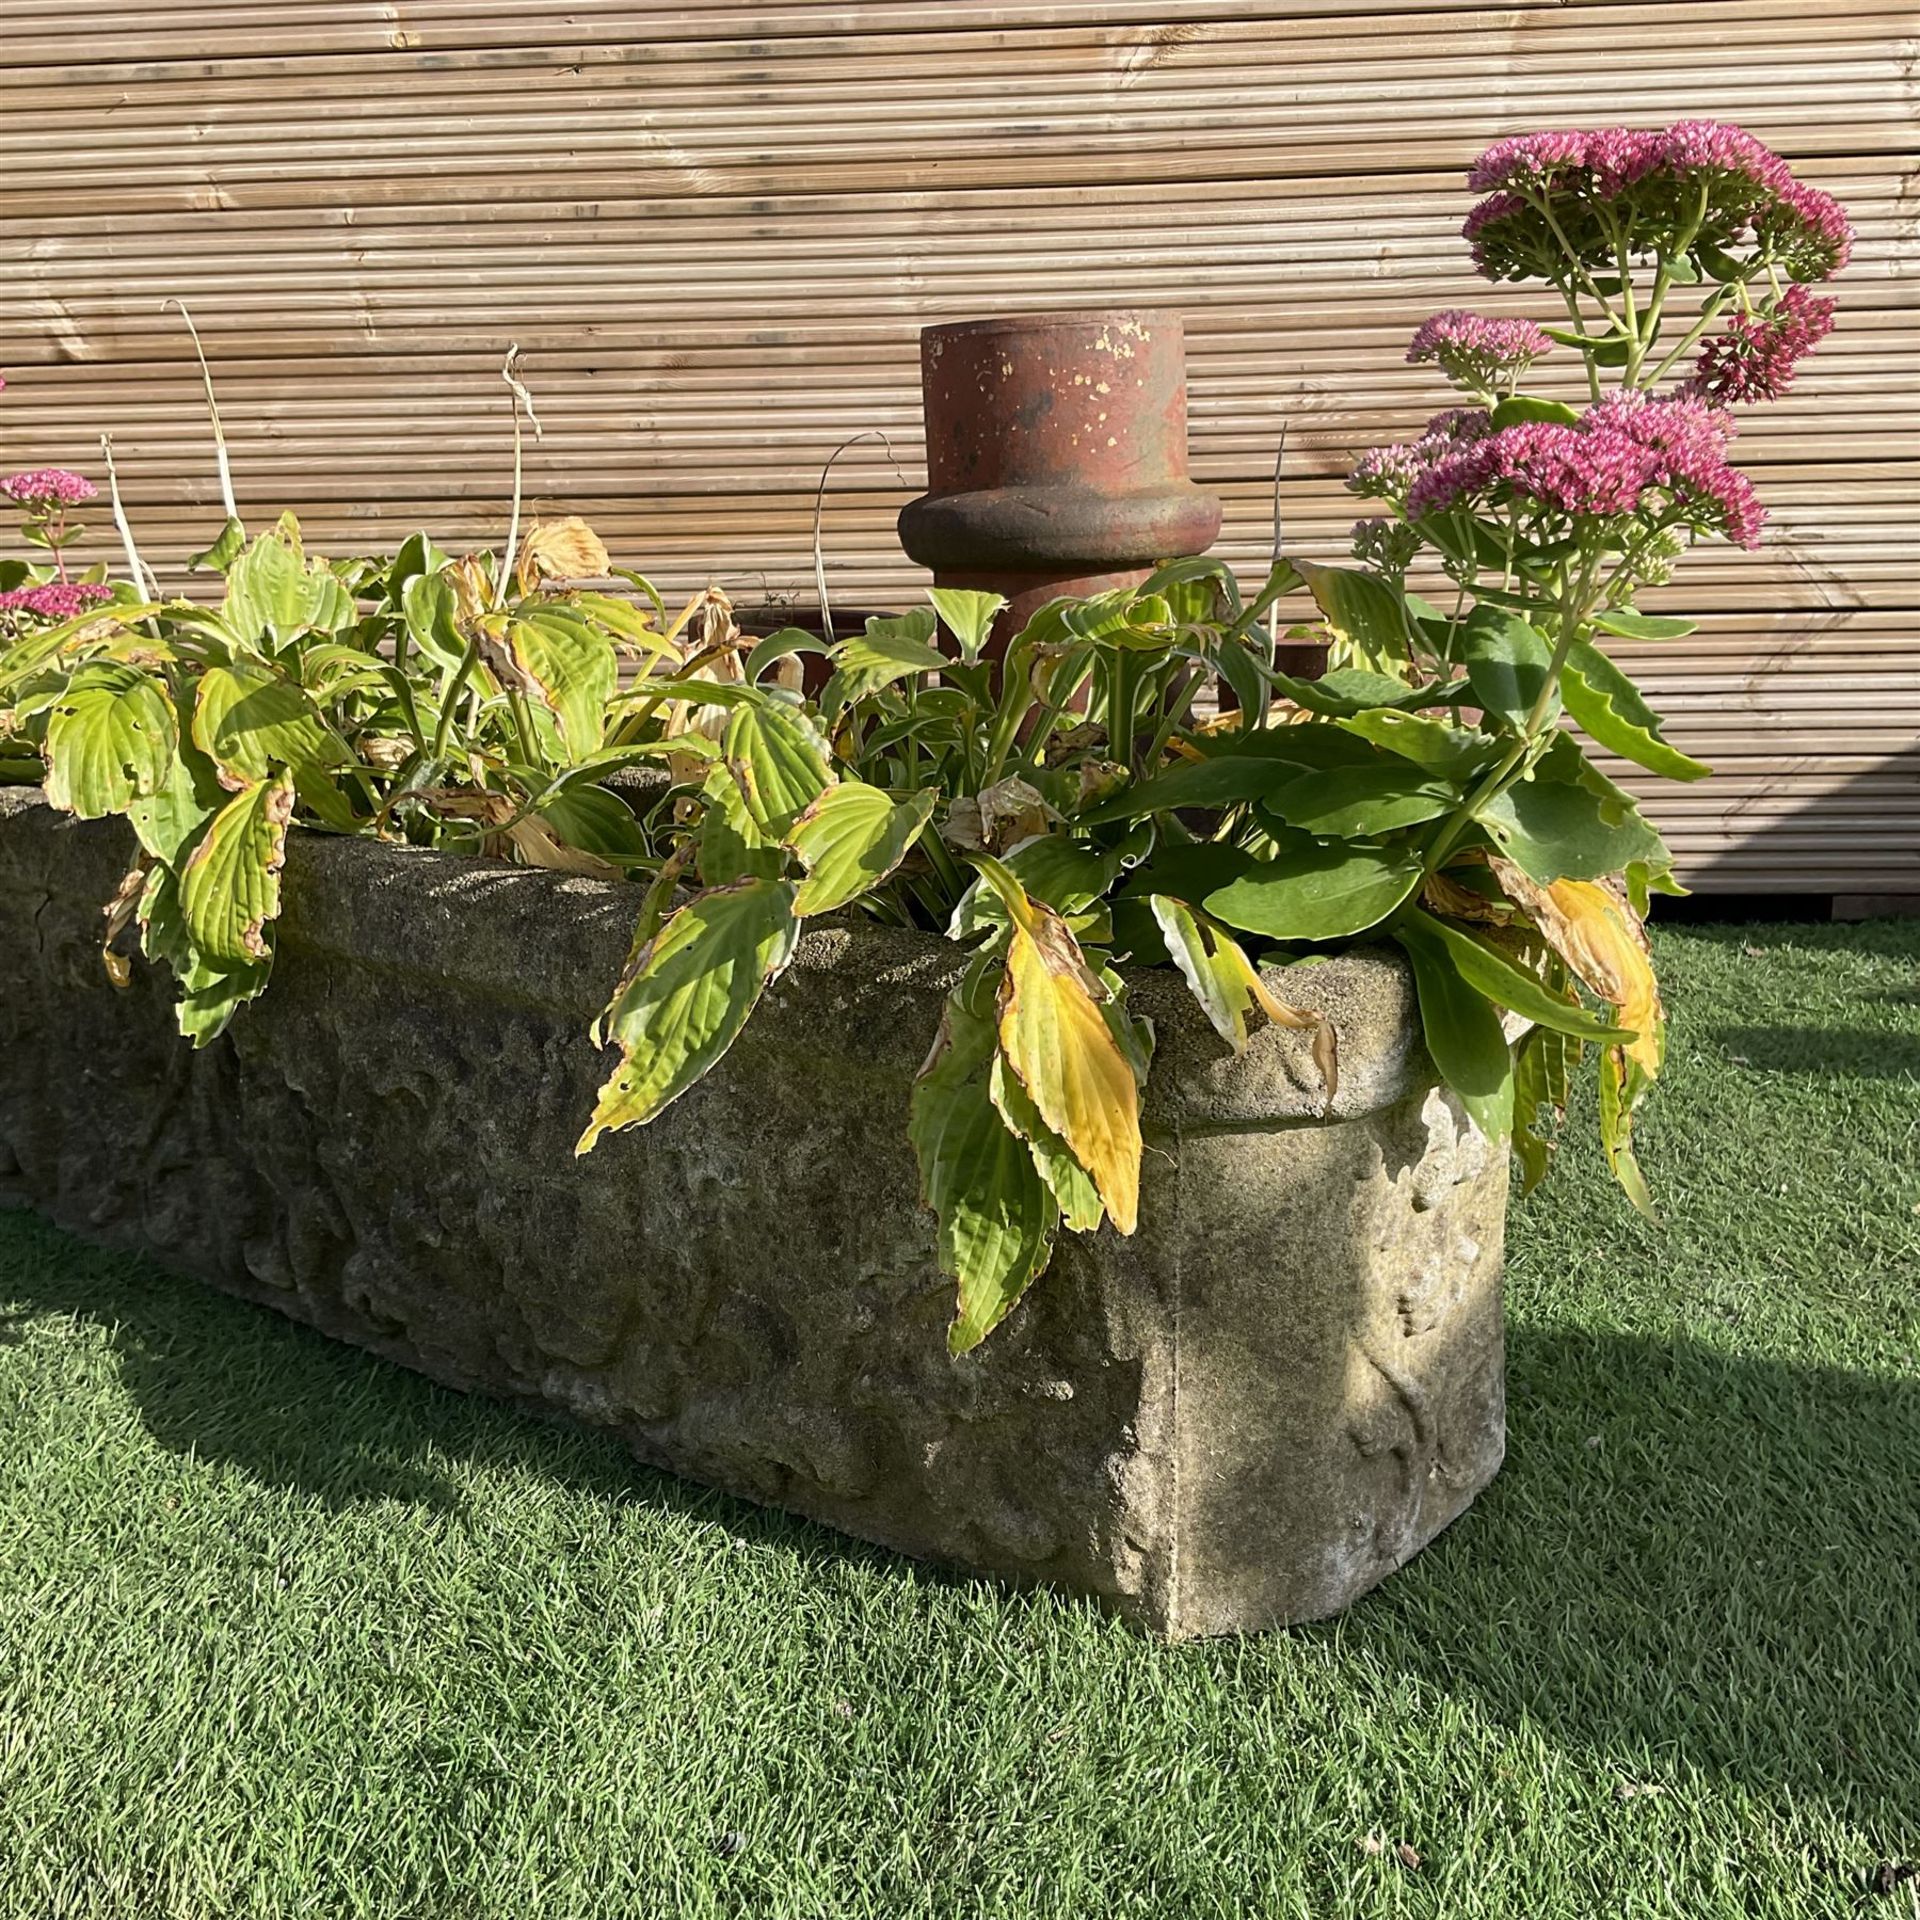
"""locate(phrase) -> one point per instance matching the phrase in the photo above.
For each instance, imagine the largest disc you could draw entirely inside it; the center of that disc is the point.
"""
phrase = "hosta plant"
(1072, 799)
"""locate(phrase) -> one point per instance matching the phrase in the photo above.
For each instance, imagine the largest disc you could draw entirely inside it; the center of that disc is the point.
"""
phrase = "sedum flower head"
(57, 600)
(48, 487)
(1474, 351)
(1755, 359)
(1664, 459)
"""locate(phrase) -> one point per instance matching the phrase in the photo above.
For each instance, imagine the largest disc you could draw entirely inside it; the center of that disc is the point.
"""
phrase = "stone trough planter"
(1287, 1383)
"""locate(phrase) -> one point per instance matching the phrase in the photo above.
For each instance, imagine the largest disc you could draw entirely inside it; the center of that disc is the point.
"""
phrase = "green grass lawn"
(287, 1632)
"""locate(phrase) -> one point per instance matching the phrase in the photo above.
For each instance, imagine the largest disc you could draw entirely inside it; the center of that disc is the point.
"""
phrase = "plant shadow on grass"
(1690, 1557)
(1844, 1052)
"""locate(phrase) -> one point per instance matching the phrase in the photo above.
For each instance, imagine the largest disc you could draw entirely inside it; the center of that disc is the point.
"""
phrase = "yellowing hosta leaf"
(110, 740)
(575, 669)
(1056, 1039)
(782, 761)
(1508, 984)
(1600, 937)
(687, 994)
(996, 1214)
(249, 721)
(1227, 984)
(230, 886)
(1366, 616)
(850, 838)
(564, 549)
(1069, 1182)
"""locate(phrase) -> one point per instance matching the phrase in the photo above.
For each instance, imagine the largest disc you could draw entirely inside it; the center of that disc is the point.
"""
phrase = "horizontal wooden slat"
(716, 229)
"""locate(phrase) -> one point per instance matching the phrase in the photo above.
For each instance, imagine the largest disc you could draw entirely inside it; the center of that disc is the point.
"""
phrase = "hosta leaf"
(1610, 707)
(1507, 661)
(850, 838)
(1228, 985)
(889, 650)
(997, 1216)
(968, 615)
(226, 549)
(1357, 802)
(249, 720)
(733, 844)
(209, 998)
(1599, 936)
(1543, 1068)
(573, 665)
(110, 739)
(1508, 984)
(1365, 614)
(1463, 1032)
(687, 994)
(169, 820)
(230, 885)
(597, 822)
(781, 759)
(1302, 745)
(1349, 690)
(273, 595)
(1056, 1039)
(430, 608)
(1067, 874)
(1316, 892)
(777, 647)
(1066, 1179)
(1570, 822)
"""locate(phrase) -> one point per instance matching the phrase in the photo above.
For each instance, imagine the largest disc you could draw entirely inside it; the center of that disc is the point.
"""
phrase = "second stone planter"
(1250, 1412)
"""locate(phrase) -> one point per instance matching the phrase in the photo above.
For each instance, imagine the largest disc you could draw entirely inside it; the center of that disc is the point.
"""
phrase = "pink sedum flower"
(57, 600)
(1475, 351)
(48, 487)
(1527, 159)
(1389, 473)
(1664, 458)
(1714, 147)
(1755, 359)
(1678, 423)
(1810, 229)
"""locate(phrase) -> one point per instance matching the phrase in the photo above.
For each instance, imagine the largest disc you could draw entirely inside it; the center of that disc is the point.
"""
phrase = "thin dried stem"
(521, 399)
(819, 510)
(138, 571)
(213, 413)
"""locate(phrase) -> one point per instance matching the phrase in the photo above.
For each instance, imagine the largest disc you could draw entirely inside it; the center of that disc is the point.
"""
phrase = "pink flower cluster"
(1808, 229)
(57, 600)
(1475, 351)
(1389, 473)
(48, 487)
(1659, 175)
(1756, 357)
(1666, 458)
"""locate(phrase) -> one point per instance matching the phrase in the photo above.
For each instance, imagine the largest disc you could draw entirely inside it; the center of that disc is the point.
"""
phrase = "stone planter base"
(1273, 1395)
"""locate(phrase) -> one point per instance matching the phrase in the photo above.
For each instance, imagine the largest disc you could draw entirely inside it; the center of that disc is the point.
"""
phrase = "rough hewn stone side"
(1276, 1392)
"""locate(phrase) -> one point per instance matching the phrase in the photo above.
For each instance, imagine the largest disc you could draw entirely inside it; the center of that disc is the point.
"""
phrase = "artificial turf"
(287, 1632)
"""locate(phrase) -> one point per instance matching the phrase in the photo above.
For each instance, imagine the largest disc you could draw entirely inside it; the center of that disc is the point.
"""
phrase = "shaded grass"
(286, 1632)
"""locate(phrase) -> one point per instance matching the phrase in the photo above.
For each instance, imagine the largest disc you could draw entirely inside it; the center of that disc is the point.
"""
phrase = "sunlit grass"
(286, 1632)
